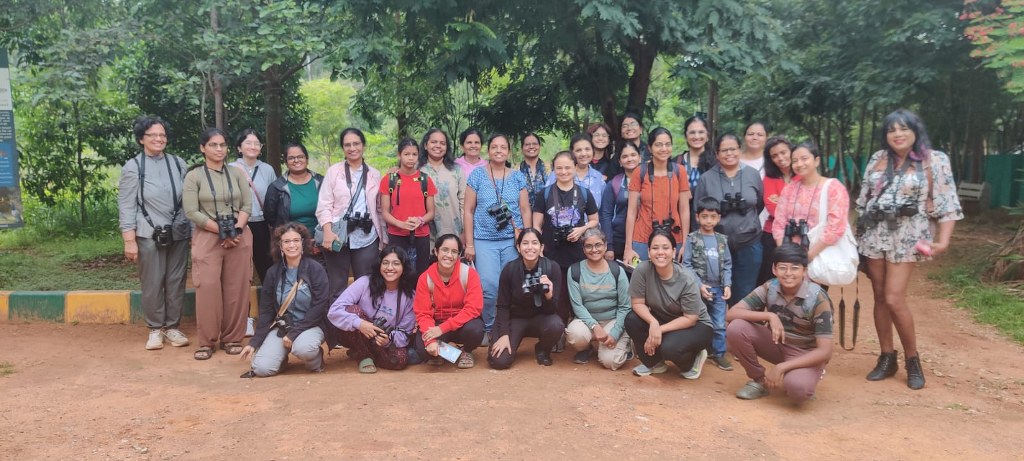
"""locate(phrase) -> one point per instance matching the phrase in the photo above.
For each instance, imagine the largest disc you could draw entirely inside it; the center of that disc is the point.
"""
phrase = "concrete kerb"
(89, 306)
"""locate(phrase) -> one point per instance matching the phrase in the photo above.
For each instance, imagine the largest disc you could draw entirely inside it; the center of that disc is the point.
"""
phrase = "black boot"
(915, 376)
(885, 368)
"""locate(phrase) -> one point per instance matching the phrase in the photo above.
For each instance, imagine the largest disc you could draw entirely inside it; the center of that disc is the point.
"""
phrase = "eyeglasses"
(214, 145)
(630, 125)
(252, 144)
(298, 158)
(391, 264)
(156, 135)
(731, 149)
(291, 242)
(350, 145)
(788, 268)
(593, 246)
(448, 251)
(599, 135)
(659, 145)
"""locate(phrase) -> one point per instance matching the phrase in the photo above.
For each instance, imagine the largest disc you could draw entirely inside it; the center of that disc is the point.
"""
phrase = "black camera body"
(162, 236)
(358, 220)
(226, 227)
(733, 203)
(502, 215)
(283, 325)
(796, 228)
(667, 225)
(888, 214)
(533, 286)
(561, 233)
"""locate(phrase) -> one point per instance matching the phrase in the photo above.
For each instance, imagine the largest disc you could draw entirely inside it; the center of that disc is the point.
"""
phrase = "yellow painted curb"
(97, 307)
(5, 306)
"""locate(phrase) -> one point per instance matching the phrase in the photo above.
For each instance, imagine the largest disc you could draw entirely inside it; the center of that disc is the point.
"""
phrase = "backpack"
(463, 280)
(394, 182)
(574, 272)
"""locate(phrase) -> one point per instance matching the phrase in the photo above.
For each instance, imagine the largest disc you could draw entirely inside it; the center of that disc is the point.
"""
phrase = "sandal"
(466, 360)
(366, 366)
(231, 348)
(203, 353)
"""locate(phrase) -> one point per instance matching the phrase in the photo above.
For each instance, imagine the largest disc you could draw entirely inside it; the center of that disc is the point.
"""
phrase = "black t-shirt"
(562, 208)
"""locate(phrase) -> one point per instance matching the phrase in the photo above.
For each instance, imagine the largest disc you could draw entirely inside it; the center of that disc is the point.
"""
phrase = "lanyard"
(213, 190)
(558, 203)
(814, 193)
(359, 186)
(142, 189)
(494, 182)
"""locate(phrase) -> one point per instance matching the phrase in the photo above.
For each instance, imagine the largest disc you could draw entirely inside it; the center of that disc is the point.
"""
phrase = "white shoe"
(698, 365)
(176, 337)
(156, 340)
(249, 327)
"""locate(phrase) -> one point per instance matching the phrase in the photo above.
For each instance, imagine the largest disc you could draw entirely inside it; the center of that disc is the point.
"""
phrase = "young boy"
(407, 205)
(798, 334)
(707, 254)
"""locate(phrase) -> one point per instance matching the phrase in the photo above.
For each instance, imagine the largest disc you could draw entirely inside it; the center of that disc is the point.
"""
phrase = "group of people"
(619, 247)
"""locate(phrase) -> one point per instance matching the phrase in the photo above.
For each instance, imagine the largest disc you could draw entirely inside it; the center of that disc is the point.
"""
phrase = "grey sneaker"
(753, 390)
(722, 362)
(176, 337)
(156, 340)
(250, 327)
(642, 370)
(487, 339)
(698, 365)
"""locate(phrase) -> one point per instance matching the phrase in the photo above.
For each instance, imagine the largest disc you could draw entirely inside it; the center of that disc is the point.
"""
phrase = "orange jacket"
(450, 307)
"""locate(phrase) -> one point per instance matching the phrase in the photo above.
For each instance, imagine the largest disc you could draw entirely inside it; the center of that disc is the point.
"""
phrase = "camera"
(502, 215)
(561, 233)
(358, 220)
(283, 325)
(798, 229)
(226, 227)
(667, 225)
(533, 286)
(889, 213)
(733, 203)
(162, 235)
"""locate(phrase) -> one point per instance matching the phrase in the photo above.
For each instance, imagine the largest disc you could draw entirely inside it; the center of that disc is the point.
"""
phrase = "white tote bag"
(836, 265)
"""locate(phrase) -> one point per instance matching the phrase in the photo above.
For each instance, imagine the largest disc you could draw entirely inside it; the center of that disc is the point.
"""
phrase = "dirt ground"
(93, 392)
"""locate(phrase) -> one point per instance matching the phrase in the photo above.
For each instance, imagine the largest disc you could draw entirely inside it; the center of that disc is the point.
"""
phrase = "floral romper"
(931, 191)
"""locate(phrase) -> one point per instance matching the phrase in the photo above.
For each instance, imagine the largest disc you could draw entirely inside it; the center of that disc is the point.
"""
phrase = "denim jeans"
(716, 309)
(746, 263)
(491, 258)
(272, 354)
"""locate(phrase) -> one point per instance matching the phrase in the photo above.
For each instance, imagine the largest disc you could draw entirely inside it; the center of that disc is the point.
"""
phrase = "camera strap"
(253, 186)
(140, 164)
(291, 294)
(648, 170)
(398, 311)
(554, 190)
(359, 187)
(213, 190)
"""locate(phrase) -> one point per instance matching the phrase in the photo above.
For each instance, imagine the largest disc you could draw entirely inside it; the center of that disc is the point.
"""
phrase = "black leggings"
(546, 327)
(421, 245)
(470, 336)
(680, 347)
(360, 262)
(261, 248)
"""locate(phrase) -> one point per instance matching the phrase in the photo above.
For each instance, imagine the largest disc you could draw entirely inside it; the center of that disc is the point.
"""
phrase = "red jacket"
(450, 307)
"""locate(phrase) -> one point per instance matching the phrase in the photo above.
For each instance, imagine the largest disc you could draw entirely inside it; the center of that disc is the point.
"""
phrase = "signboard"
(10, 192)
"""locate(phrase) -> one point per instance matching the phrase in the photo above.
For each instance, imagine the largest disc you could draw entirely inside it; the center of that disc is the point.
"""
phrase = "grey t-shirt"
(303, 297)
(669, 299)
(711, 252)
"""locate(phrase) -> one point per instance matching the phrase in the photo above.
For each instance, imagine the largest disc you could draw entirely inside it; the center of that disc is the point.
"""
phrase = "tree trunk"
(79, 148)
(713, 109)
(402, 120)
(643, 56)
(607, 96)
(215, 84)
(273, 95)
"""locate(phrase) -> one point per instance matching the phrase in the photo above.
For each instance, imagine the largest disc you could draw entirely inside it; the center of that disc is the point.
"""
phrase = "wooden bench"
(975, 194)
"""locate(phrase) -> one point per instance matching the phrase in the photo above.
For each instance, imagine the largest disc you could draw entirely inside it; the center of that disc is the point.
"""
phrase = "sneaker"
(250, 328)
(176, 337)
(156, 340)
(722, 362)
(698, 365)
(642, 370)
(583, 356)
(751, 391)
(487, 339)
(560, 345)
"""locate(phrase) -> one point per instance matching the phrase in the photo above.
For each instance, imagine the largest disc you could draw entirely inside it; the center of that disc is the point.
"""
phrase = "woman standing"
(293, 196)
(907, 185)
(293, 305)
(588, 178)
(630, 130)
(532, 166)
(599, 293)
(799, 204)
(448, 302)
(777, 174)
(471, 141)
(754, 137)
(738, 189)
(217, 200)
(698, 157)
(407, 205)
(669, 318)
(604, 160)
(436, 161)
(563, 212)
(616, 202)
(259, 175)
(348, 214)
(375, 313)
(497, 208)
(659, 197)
(526, 304)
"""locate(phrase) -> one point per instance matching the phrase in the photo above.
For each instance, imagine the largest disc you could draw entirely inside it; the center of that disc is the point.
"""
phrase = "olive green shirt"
(201, 205)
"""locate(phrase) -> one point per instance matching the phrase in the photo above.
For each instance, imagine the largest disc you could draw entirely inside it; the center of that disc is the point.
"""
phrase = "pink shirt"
(335, 196)
(466, 167)
(799, 201)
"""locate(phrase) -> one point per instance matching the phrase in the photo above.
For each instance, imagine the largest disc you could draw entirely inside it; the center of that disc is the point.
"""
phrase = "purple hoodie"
(358, 293)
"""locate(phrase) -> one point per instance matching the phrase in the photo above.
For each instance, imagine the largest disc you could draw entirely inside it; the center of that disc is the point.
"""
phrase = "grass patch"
(6, 368)
(85, 263)
(991, 304)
